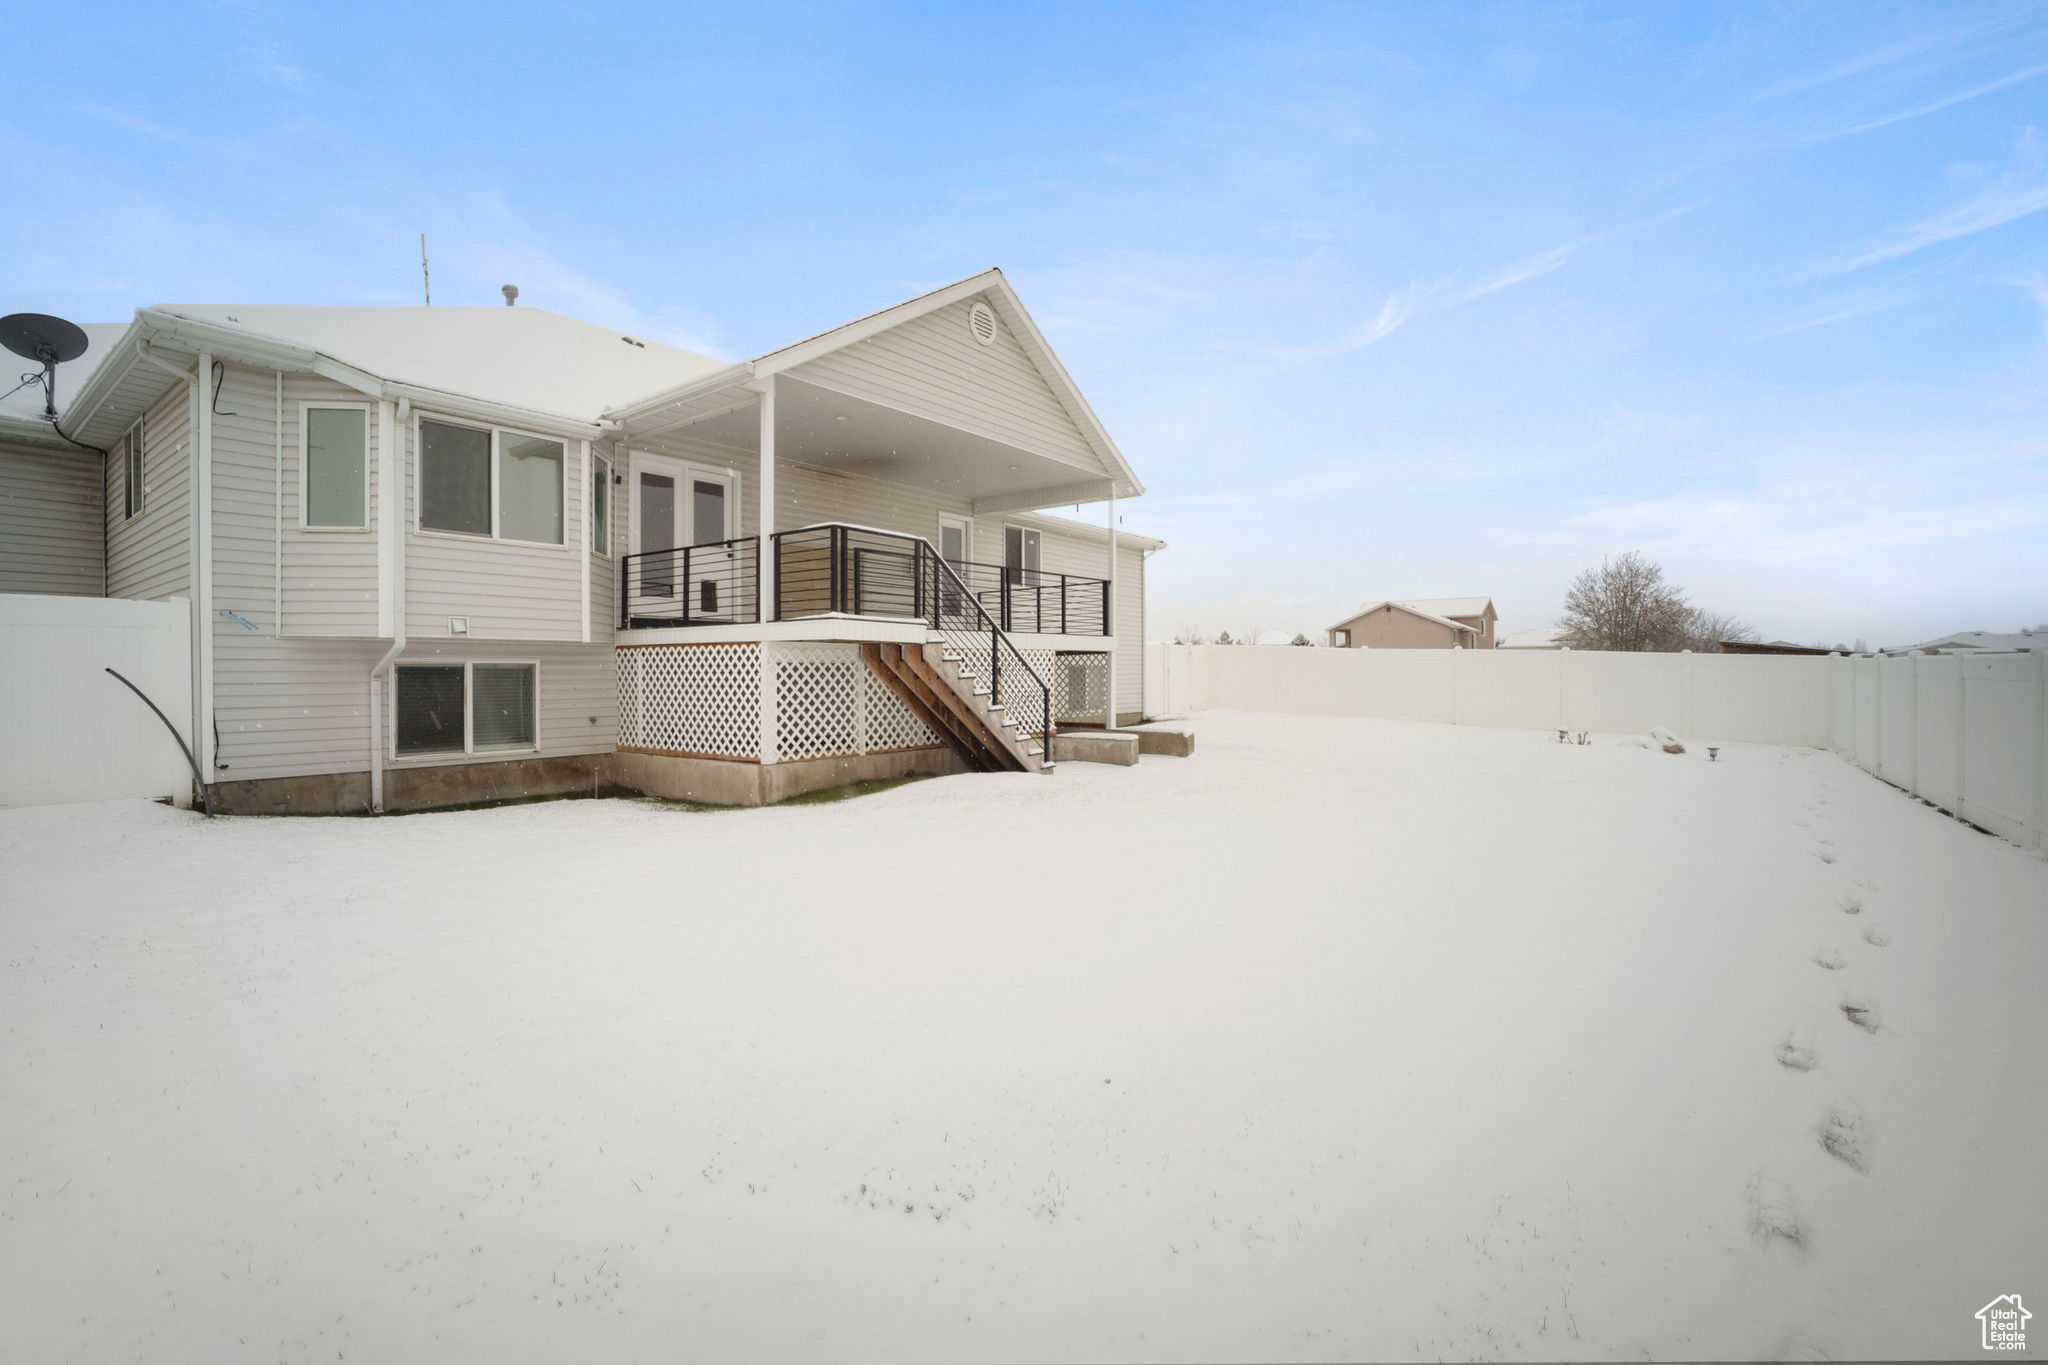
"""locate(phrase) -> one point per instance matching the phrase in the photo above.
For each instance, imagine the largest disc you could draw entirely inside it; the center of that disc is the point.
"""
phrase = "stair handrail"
(999, 640)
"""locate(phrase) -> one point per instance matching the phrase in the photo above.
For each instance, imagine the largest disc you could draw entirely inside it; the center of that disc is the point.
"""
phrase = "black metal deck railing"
(692, 585)
(860, 572)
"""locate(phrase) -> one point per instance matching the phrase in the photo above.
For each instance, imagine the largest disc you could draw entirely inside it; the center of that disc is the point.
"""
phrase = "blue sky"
(1381, 300)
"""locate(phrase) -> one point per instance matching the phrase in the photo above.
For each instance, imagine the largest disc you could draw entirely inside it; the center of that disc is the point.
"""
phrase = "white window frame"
(1026, 577)
(965, 525)
(370, 448)
(691, 469)
(134, 469)
(571, 539)
(602, 544)
(468, 749)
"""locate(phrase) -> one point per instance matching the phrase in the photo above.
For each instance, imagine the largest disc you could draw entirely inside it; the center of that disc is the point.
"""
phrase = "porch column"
(1110, 723)
(767, 575)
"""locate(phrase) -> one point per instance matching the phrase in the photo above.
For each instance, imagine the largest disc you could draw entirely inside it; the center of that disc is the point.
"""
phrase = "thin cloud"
(1896, 52)
(1997, 206)
(1919, 111)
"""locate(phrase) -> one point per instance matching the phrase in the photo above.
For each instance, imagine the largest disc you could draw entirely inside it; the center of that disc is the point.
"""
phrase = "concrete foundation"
(449, 784)
(1176, 743)
(720, 783)
(1095, 746)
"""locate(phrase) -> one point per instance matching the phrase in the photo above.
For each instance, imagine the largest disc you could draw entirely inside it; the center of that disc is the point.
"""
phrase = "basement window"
(474, 708)
(491, 483)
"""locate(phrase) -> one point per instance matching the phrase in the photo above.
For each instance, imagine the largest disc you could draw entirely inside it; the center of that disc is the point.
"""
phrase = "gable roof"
(706, 394)
(1412, 609)
(1450, 606)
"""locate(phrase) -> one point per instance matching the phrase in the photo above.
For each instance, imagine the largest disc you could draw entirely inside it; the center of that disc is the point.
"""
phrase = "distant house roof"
(1530, 639)
(1450, 606)
(1977, 641)
(1413, 609)
(1770, 647)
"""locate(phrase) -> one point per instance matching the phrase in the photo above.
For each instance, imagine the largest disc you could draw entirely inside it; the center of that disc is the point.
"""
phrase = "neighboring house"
(1769, 647)
(1530, 639)
(1978, 642)
(1426, 623)
(448, 554)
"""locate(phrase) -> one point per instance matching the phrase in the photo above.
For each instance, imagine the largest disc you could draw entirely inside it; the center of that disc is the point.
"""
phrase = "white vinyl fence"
(68, 732)
(1969, 735)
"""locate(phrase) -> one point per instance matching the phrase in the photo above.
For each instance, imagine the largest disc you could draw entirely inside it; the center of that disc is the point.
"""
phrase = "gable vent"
(982, 323)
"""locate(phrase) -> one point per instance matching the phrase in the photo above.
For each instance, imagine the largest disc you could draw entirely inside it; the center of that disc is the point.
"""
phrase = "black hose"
(186, 749)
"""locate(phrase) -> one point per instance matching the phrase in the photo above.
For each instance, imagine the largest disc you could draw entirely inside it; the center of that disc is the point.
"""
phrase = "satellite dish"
(40, 337)
(49, 342)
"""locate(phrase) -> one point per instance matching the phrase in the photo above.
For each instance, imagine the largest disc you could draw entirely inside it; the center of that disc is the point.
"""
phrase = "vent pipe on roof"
(510, 291)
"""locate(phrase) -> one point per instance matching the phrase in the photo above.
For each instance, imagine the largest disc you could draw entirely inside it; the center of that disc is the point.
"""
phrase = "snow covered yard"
(1340, 1039)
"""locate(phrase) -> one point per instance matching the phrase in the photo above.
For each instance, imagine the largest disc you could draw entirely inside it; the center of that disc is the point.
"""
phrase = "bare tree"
(1625, 604)
(1190, 635)
(1705, 631)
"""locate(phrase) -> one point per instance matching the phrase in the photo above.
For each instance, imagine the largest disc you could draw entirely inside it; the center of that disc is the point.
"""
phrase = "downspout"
(202, 568)
(391, 528)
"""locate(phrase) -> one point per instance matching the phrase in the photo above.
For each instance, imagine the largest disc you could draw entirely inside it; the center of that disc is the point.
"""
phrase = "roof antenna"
(510, 291)
(426, 285)
(47, 340)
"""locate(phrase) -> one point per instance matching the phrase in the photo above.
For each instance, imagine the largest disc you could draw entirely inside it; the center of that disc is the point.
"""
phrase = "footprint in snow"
(1829, 959)
(1846, 1137)
(1877, 939)
(1861, 1012)
(1793, 1057)
(1773, 1216)
(1851, 903)
(1826, 855)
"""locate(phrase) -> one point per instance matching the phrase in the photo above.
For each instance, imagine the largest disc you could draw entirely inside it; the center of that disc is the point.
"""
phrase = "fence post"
(2041, 749)
(1455, 717)
(1685, 710)
(1913, 732)
(1962, 730)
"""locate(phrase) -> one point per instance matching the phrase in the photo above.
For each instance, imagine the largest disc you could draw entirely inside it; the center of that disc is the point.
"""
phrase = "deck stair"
(943, 691)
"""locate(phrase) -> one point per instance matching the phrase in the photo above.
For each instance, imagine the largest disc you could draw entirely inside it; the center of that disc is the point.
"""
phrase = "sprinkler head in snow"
(1560, 736)
(1712, 751)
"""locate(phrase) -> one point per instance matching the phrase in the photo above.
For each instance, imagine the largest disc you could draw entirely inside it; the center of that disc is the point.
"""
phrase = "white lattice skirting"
(705, 701)
(1080, 688)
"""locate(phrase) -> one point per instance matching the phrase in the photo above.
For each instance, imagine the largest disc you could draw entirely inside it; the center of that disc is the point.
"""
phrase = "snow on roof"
(1416, 608)
(26, 404)
(1974, 641)
(1446, 606)
(1529, 639)
(519, 357)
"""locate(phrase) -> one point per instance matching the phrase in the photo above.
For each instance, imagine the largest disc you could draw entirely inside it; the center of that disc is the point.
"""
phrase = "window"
(1341, 639)
(1020, 555)
(337, 469)
(502, 706)
(455, 479)
(133, 469)
(529, 488)
(430, 710)
(467, 708)
(516, 497)
(601, 504)
(707, 501)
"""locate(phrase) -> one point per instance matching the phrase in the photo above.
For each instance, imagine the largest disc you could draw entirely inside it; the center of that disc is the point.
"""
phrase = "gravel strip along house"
(441, 555)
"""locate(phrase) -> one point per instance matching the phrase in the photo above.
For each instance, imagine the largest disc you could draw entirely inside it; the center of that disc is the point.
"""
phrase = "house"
(437, 555)
(1529, 639)
(1426, 623)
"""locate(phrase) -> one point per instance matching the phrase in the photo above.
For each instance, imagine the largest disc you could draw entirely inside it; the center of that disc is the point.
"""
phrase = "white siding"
(933, 367)
(294, 706)
(509, 591)
(50, 522)
(149, 555)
